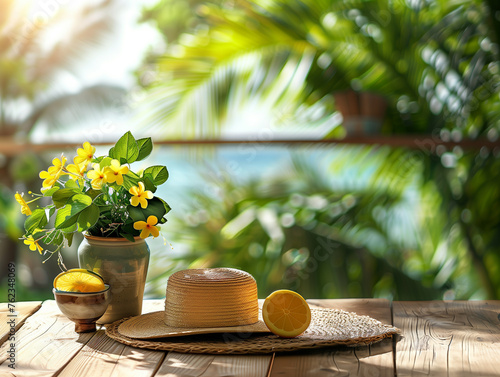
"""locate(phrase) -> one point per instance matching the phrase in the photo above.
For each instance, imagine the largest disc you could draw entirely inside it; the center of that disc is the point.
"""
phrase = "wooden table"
(440, 338)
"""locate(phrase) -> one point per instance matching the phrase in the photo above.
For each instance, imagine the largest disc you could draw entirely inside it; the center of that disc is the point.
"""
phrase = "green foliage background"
(406, 224)
(400, 223)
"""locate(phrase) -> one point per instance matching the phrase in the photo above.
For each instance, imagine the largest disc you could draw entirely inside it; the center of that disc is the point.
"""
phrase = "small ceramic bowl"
(83, 308)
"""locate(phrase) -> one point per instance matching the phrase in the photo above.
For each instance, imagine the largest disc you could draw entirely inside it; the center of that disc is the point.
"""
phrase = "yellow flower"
(85, 154)
(52, 174)
(114, 172)
(140, 195)
(148, 227)
(33, 244)
(97, 176)
(76, 170)
(59, 163)
(25, 209)
(49, 177)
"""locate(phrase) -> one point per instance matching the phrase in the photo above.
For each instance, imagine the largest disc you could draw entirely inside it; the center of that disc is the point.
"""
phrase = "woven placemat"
(329, 327)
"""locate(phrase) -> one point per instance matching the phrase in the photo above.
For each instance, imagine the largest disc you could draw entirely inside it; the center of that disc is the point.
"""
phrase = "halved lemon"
(286, 313)
(79, 280)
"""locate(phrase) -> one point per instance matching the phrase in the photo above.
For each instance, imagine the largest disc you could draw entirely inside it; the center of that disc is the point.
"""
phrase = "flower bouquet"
(99, 195)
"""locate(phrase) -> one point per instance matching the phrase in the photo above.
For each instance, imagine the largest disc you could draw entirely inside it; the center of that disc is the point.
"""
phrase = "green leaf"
(105, 161)
(136, 213)
(165, 205)
(69, 238)
(55, 237)
(125, 150)
(130, 180)
(149, 184)
(70, 229)
(51, 191)
(71, 184)
(145, 148)
(68, 215)
(83, 199)
(155, 208)
(157, 173)
(49, 211)
(62, 196)
(37, 220)
(128, 236)
(88, 217)
(93, 193)
(112, 152)
(39, 234)
(128, 228)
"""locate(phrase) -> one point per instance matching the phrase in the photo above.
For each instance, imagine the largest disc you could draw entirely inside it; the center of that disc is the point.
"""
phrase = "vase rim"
(111, 239)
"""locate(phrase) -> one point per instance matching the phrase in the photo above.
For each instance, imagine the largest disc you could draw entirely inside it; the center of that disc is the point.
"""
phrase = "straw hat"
(202, 301)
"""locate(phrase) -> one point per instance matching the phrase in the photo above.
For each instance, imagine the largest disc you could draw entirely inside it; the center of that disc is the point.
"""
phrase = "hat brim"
(329, 327)
(151, 326)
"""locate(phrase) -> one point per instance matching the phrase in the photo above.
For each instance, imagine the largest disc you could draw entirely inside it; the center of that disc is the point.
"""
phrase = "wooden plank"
(373, 360)
(44, 344)
(179, 364)
(422, 142)
(103, 356)
(190, 365)
(452, 338)
(22, 311)
(239, 365)
(184, 365)
(49, 343)
(106, 357)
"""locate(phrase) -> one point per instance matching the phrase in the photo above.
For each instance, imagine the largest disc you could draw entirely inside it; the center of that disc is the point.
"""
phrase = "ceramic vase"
(123, 265)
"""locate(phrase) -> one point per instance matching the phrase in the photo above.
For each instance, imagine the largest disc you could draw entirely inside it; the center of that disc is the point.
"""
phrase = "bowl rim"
(67, 293)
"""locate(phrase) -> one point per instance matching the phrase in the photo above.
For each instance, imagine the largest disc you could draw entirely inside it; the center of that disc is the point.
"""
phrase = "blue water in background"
(240, 163)
(237, 163)
(188, 167)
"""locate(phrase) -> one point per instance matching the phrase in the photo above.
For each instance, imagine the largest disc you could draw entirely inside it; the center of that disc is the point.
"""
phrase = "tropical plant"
(109, 200)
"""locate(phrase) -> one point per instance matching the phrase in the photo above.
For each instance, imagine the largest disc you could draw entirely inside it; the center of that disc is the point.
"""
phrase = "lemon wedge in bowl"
(79, 280)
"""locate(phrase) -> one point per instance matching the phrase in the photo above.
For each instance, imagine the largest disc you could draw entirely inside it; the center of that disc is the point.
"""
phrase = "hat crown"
(211, 297)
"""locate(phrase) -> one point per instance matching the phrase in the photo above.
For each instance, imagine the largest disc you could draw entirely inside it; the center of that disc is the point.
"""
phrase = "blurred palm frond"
(45, 61)
(431, 61)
